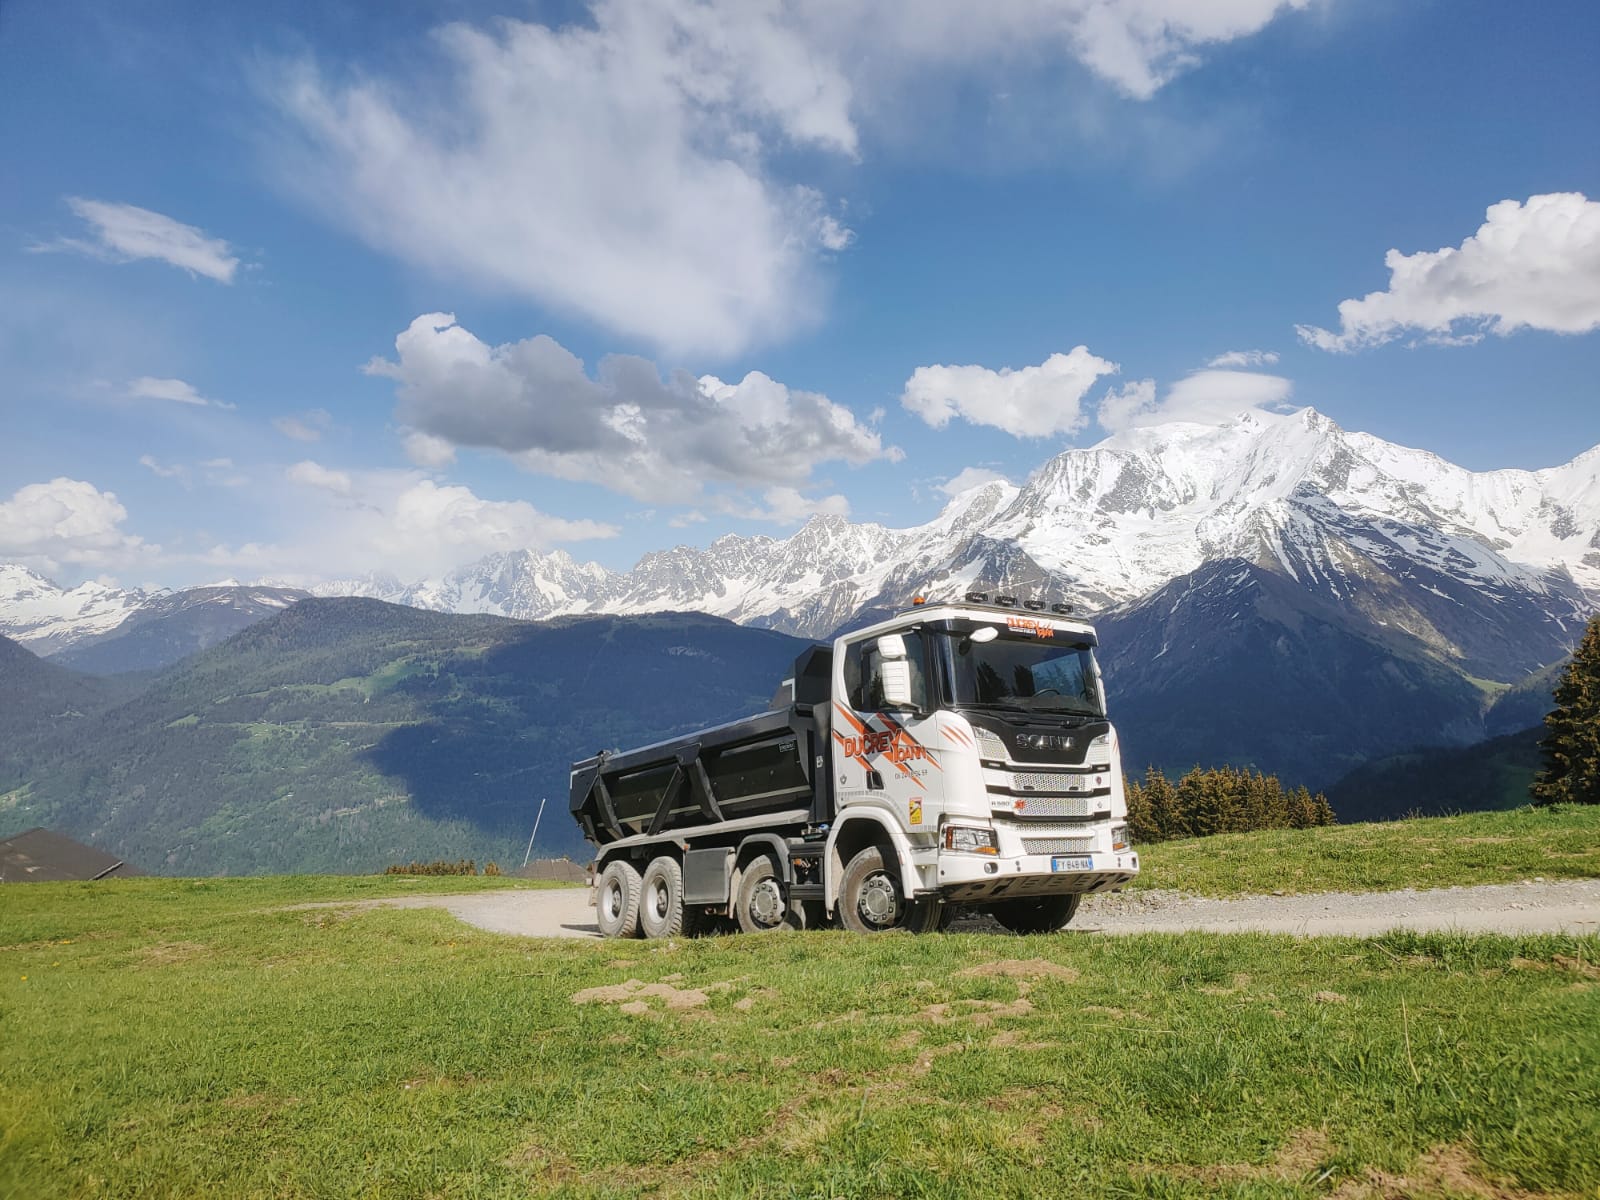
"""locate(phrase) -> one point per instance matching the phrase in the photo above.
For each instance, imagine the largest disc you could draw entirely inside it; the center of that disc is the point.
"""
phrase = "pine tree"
(1571, 771)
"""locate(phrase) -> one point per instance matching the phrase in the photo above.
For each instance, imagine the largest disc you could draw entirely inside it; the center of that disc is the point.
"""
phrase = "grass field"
(181, 1038)
(1562, 842)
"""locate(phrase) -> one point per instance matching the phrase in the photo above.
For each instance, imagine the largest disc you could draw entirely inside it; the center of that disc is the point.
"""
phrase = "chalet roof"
(43, 856)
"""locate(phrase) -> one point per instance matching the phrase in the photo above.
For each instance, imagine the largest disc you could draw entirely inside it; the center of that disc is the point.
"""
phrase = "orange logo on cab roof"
(1028, 625)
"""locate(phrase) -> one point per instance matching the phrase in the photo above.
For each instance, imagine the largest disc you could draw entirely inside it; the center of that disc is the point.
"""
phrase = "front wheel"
(616, 900)
(1036, 914)
(873, 900)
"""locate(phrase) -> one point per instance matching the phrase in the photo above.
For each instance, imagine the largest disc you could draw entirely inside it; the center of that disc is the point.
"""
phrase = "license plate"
(1072, 862)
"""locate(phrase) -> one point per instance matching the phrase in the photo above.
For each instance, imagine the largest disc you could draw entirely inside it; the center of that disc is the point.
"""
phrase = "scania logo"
(1043, 741)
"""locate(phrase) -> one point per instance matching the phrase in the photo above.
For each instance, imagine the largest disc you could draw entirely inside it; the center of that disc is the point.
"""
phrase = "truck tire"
(661, 910)
(616, 900)
(1036, 914)
(762, 905)
(871, 897)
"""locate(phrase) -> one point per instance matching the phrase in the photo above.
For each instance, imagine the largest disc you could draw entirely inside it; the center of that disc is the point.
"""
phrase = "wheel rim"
(766, 903)
(879, 903)
(612, 899)
(659, 901)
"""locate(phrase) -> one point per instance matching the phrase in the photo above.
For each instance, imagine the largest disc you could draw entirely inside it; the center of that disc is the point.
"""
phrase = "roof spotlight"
(977, 597)
(1061, 608)
(1033, 605)
(1006, 601)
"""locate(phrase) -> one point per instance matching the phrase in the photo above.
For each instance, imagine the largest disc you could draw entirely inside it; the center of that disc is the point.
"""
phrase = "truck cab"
(956, 755)
(978, 731)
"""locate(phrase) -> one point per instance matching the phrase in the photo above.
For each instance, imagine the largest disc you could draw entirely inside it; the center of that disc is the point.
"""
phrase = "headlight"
(1120, 838)
(970, 839)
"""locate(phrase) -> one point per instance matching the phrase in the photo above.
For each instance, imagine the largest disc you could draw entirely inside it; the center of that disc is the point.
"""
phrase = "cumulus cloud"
(786, 506)
(306, 427)
(348, 523)
(67, 522)
(315, 475)
(1529, 266)
(635, 167)
(626, 428)
(147, 387)
(426, 450)
(1204, 397)
(1245, 358)
(969, 478)
(125, 233)
(1025, 402)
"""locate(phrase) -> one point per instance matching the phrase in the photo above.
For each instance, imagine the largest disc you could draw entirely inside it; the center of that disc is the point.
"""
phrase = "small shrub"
(464, 866)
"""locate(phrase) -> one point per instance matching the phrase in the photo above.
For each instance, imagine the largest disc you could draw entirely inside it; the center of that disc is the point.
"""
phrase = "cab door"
(888, 753)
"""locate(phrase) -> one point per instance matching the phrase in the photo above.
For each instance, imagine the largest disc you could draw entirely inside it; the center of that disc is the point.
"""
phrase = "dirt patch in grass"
(1442, 1171)
(1028, 970)
(1304, 1150)
(632, 996)
(170, 954)
(979, 1012)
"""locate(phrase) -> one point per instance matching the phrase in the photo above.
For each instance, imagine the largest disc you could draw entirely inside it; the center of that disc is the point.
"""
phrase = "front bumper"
(988, 877)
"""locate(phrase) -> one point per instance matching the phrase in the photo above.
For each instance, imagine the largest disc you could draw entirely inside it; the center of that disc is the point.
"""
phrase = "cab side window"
(863, 675)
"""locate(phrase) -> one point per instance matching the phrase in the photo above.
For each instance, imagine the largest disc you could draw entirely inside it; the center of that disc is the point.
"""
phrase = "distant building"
(41, 856)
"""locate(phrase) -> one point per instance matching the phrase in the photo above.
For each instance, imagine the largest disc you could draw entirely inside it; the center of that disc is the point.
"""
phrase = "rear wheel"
(616, 900)
(763, 904)
(661, 910)
(1036, 914)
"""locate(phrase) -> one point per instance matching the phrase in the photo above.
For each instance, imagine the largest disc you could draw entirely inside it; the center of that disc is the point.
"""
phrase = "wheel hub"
(880, 900)
(766, 903)
(612, 900)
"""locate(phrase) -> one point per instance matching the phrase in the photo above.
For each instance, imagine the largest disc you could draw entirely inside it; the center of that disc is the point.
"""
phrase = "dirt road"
(1532, 907)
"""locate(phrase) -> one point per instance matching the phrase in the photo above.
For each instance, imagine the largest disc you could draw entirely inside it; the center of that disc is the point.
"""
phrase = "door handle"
(874, 781)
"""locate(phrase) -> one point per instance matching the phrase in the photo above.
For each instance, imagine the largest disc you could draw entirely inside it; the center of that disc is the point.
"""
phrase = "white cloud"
(124, 233)
(1245, 358)
(66, 522)
(969, 478)
(315, 475)
(307, 427)
(176, 471)
(349, 523)
(627, 428)
(634, 167)
(1205, 397)
(786, 506)
(1529, 266)
(177, 391)
(428, 451)
(1026, 402)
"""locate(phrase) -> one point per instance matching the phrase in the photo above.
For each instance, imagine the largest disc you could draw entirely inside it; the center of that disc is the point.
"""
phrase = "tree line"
(1211, 800)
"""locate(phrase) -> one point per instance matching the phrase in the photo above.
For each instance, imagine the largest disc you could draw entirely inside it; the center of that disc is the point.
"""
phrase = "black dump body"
(762, 764)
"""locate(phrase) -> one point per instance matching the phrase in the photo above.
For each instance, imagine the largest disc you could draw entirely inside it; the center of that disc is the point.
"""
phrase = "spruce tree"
(1571, 771)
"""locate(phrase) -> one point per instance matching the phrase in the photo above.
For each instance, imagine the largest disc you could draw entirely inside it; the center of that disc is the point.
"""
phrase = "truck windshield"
(1038, 676)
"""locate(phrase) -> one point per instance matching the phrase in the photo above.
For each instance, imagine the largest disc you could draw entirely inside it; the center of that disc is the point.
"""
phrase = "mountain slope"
(1439, 780)
(40, 700)
(169, 627)
(47, 618)
(347, 734)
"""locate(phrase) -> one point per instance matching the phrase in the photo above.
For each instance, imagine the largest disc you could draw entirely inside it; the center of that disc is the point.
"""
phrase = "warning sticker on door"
(916, 810)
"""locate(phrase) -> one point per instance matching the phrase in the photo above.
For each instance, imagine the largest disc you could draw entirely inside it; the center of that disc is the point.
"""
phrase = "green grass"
(1561, 842)
(178, 1038)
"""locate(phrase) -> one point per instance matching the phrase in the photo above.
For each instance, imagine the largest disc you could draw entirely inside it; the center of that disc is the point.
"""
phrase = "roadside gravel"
(1535, 906)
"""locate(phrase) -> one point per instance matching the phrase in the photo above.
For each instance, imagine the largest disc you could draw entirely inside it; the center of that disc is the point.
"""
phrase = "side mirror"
(894, 671)
(987, 634)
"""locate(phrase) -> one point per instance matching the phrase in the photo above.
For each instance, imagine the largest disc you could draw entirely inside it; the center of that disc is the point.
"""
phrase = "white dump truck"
(957, 754)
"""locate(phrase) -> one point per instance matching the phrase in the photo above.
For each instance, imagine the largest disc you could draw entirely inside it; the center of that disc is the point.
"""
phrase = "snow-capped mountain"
(47, 618)
(1106, 525)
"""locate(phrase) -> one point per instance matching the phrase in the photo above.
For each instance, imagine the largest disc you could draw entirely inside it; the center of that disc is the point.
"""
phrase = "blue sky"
(216, 221)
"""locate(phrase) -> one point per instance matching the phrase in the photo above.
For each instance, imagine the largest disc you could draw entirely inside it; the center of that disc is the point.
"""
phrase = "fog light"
(969, 839)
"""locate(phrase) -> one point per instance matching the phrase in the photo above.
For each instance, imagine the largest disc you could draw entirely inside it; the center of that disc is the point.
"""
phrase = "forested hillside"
(347, 734)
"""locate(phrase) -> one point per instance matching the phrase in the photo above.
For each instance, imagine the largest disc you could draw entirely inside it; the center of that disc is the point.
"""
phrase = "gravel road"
(1532, 907)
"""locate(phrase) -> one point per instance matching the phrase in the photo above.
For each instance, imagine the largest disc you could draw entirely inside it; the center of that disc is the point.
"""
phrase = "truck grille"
(1057, 845)
(1059, 782)
(1038, 807)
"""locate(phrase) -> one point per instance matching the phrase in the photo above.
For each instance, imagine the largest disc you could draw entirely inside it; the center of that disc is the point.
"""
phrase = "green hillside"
(342, 735)
(1485, 777)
